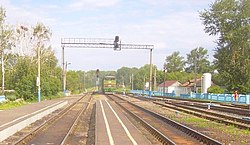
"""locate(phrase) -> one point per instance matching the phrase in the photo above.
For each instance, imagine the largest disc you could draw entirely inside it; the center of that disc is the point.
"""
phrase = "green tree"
(174, 62)
(200, 57)
(24, 76)
(73, 81)
(181, 76)
(24, 68)
(50, 73)
(21, 65)
(142, 76)
(230, 20)
(124, 75)
(5, 32)
(5, 43)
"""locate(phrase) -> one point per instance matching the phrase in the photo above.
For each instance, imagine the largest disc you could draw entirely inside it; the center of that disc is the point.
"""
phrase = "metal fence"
(243, 99)
(2, 98)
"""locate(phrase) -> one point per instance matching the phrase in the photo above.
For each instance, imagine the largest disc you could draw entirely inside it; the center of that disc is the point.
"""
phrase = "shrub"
(215, 90)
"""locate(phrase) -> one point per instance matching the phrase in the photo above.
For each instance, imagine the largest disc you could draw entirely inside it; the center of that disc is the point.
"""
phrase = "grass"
(235, 131)
(199, 122)
(230, 131)
(17, 103)
(12, 104)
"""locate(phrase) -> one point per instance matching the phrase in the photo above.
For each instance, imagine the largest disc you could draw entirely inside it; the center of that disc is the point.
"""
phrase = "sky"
(169, 25)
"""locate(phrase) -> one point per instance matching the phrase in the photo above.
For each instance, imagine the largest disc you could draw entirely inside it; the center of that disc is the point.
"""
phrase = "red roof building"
(169, 86)
(188, 86)
(168, 83)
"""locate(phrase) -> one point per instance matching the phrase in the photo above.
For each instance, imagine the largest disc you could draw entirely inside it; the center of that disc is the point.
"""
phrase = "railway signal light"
(116, 38)
(117, 46)
(97, 73)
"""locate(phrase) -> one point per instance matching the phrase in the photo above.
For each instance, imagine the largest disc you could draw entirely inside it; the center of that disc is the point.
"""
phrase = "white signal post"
(65, 78)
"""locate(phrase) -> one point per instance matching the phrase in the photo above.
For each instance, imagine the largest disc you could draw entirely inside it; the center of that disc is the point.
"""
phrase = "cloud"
(177, 30)
(176, 2)
(26, 14)
(92, 4)
(171, 25)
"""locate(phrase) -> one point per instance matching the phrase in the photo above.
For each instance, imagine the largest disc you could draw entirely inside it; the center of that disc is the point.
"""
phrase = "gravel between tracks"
(225, 134)
(80, 131)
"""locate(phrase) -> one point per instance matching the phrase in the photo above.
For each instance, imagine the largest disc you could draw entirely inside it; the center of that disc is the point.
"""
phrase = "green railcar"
(108, 84)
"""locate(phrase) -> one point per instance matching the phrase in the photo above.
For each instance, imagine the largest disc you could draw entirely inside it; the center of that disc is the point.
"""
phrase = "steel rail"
(75, 122)
(228, 120)
(228, 109)
(196, 135)
(158, 135)
(235, 106)
(190, 107)
(234, 110)
(50, 121)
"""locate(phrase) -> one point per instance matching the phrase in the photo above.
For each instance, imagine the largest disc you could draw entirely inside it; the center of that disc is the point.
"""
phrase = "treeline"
(228, 19)
(78, 81)
(20, 46)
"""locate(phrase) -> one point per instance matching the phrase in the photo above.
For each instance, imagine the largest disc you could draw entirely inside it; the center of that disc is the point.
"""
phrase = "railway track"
(233, 110)
(200, 110)
(220, 108)
(165, 130)
(57, 129)
(237, 106)
(222, 118)
(240, 109)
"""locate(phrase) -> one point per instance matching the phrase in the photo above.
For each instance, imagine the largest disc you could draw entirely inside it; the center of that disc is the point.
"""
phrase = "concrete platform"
(113, 127)
(15, 119)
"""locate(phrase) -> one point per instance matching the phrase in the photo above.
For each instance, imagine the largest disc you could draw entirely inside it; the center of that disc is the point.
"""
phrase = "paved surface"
(114, 128)
(15, 115)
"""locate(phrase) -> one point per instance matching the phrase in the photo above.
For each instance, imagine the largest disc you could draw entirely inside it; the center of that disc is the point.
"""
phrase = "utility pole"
(39, 38)
(195, 79)
(144, 83)
(155, 81)
(84, 81)
(164, 70)
(65, 77)
(132, 82)
(38, 72)
(97, 80)
(2, 55)
(2, 59)
(150, 74)
(63, 71)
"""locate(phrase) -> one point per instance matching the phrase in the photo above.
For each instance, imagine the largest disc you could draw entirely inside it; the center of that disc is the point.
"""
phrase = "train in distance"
(108, 84)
